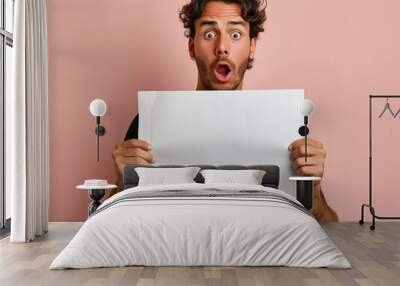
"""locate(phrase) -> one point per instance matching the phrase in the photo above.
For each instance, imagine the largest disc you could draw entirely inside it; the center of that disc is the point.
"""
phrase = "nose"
(222, 49)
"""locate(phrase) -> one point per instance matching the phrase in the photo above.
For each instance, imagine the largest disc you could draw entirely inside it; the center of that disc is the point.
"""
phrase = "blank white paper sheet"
(222, 127)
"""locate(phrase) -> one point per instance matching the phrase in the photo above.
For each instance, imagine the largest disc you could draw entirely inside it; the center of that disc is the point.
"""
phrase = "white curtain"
(27, 141)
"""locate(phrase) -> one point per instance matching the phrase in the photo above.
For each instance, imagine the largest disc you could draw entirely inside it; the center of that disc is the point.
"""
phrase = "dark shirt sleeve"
(133, 131)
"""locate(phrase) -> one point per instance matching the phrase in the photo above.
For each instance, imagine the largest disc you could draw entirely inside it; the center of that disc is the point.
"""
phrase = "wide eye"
(209, 35)
(236, 35)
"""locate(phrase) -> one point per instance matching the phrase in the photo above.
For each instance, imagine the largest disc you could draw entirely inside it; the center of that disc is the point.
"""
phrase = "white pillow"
(162, 176)
(248, 177)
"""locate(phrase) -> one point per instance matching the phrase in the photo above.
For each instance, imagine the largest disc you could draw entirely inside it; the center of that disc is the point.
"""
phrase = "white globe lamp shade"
(98, 107)
(306, 107)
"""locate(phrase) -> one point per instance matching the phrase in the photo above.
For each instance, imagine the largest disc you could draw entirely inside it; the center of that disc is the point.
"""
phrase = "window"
(6, 62)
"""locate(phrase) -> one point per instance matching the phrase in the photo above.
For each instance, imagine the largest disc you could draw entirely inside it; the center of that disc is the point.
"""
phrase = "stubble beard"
(206, 74)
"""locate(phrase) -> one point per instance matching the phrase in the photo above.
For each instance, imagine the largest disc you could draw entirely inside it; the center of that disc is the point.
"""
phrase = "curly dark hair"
(253, 11)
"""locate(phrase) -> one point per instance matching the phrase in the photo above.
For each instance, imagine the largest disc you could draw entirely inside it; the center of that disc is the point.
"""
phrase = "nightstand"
(96, 190)
(304, 190)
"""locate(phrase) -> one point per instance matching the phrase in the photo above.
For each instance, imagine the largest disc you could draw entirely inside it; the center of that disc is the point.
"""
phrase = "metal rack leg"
(374, 216)
(372, 210)
(361, 221)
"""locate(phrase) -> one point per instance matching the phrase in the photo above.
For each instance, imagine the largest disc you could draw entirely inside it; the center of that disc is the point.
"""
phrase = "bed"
(201, 224)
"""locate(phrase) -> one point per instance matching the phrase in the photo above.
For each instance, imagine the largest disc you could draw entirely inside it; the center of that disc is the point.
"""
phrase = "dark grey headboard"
(270, 179)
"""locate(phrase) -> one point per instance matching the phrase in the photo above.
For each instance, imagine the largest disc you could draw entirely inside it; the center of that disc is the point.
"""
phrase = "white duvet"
(188, 231)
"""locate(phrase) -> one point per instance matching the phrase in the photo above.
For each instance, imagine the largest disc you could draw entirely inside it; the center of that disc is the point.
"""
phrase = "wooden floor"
(375, 257)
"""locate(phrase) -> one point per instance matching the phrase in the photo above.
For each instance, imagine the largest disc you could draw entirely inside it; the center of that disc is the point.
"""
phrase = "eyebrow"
(208, 23)
(214, 23)
(241, 23)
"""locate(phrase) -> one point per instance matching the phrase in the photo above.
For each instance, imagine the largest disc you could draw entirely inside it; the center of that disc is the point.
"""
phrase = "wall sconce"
(98, 108)
(305, 108)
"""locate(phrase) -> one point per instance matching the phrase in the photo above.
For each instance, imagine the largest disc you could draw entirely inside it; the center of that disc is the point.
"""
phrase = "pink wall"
(338, 51)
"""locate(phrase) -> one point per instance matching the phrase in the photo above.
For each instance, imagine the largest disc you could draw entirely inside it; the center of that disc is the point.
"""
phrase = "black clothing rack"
(370, 205)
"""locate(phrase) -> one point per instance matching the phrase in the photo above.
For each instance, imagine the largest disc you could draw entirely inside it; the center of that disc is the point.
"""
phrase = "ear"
(253, 43)
(191, 48)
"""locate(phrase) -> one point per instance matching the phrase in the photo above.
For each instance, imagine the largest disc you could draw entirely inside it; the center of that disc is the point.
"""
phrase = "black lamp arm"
(100, 131)
(303, 131)
(305, 136)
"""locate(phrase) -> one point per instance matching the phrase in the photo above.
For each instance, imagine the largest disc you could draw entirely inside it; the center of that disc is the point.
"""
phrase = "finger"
(300, 151)
(136, 143)
(315, 171)
(311, 161)
(121, 162)
(135, 161)
(310, 141)
(311, 151)
(136, 152)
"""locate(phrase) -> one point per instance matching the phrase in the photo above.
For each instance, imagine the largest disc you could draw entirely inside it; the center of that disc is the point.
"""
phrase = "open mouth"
(222, 72)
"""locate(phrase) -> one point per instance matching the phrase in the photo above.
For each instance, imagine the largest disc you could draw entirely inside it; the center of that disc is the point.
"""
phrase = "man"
(222, 41)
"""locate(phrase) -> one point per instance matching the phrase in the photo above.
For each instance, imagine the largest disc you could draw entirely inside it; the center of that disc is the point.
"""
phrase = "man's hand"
(316, 155)
(315, 165)
(131, 152)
